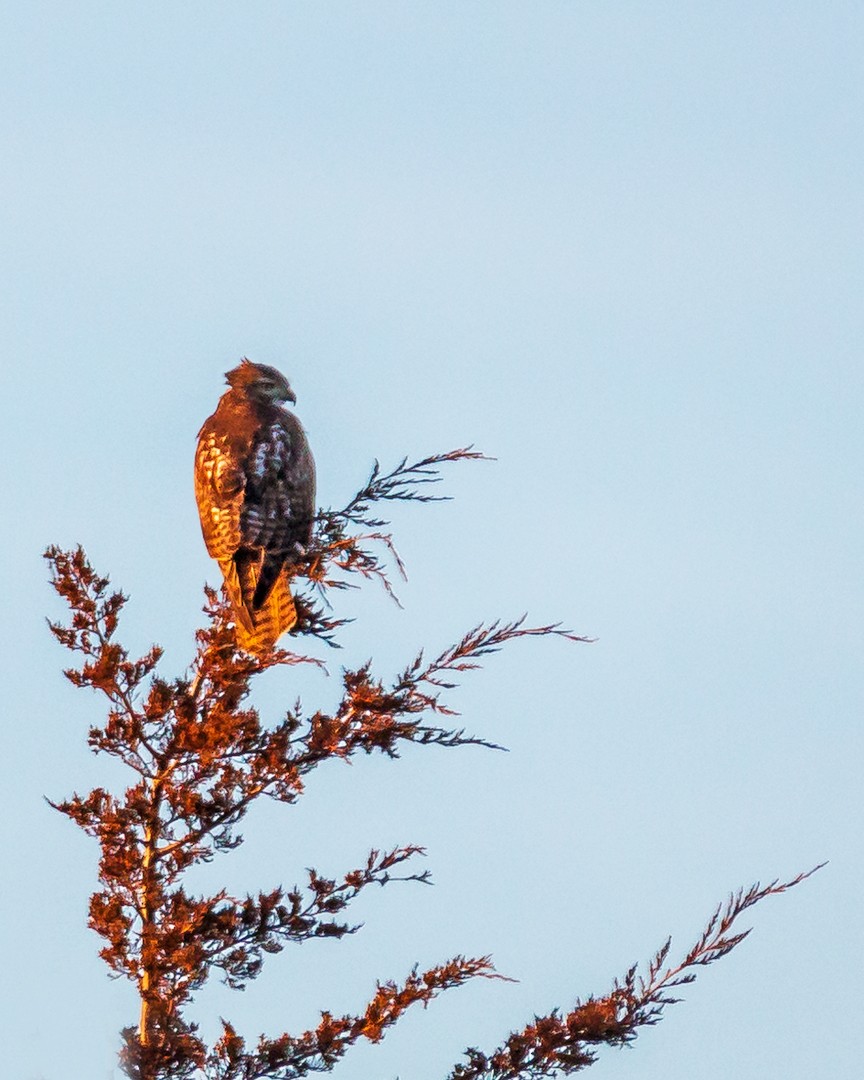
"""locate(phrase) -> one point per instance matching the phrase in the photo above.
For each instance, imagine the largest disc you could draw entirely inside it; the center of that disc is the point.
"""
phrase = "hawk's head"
(260, 382)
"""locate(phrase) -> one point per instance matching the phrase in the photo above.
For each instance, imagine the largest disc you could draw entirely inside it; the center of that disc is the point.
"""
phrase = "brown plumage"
(255, 488)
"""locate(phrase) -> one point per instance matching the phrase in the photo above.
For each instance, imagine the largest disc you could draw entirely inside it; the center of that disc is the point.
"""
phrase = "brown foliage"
(200, 755)
(563, 1043)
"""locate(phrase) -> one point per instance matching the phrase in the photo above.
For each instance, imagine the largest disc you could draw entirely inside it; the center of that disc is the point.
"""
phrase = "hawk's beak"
(291, 396)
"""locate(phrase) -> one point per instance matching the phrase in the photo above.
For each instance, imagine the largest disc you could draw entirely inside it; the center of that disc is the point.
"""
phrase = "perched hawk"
(255, 487)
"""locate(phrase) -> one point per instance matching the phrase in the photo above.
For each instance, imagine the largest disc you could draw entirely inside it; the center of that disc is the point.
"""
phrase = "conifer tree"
(199, 755)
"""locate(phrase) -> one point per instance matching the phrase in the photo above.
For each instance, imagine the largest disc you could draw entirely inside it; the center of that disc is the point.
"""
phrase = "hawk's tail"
(276, 616)
(267, 576)
(258, 631)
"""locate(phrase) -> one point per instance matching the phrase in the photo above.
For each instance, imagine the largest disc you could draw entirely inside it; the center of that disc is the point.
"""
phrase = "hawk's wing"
(220, 484)
(279, 498)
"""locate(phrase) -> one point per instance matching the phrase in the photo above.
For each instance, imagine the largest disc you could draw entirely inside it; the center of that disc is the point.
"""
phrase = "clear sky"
(618, 246)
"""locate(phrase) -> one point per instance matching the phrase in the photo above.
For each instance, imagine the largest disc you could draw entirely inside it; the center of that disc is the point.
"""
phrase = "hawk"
(255, 488)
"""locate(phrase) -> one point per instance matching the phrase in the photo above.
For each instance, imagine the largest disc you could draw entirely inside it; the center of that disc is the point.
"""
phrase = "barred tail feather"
(267, 576)
(276, 616)
(257, 629)
(235, 590)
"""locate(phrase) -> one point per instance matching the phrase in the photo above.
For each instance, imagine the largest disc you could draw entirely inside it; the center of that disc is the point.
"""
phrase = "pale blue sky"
(616, 245)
